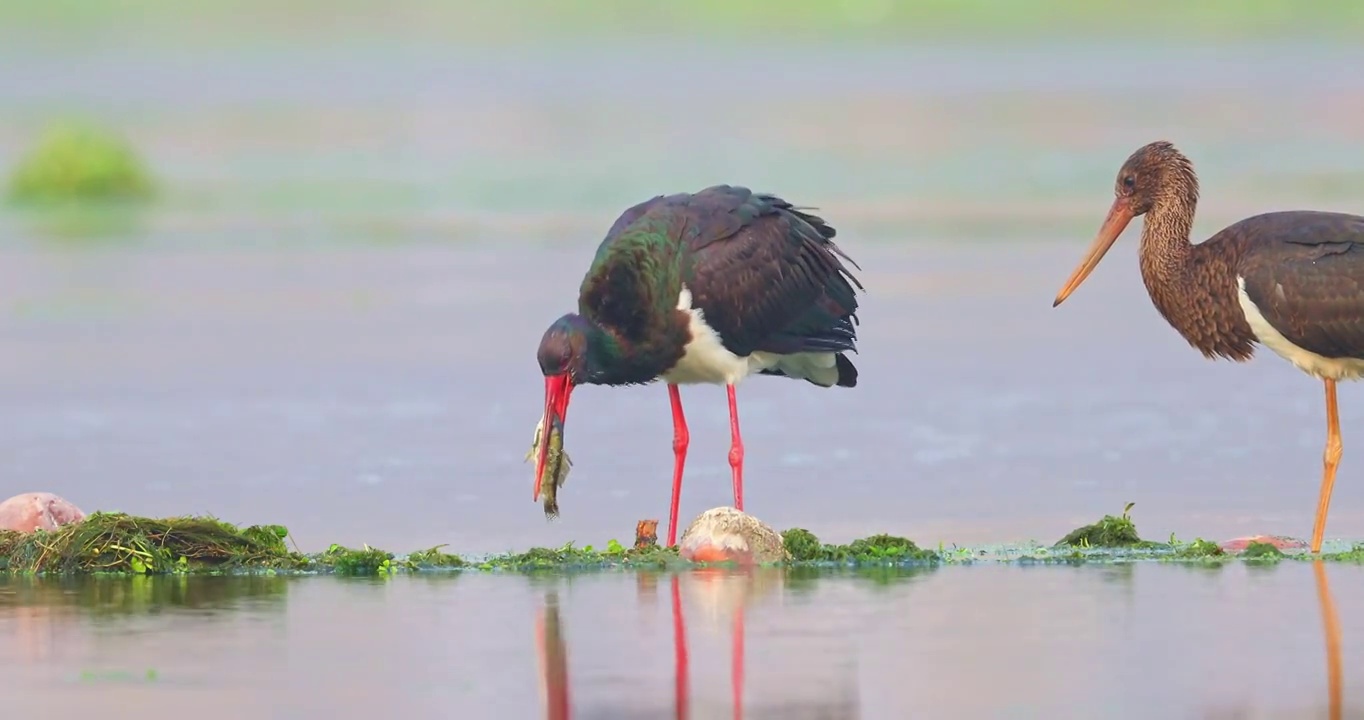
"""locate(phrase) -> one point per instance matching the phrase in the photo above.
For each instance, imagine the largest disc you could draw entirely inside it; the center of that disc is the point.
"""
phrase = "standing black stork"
(706, 287)
(1292, 281)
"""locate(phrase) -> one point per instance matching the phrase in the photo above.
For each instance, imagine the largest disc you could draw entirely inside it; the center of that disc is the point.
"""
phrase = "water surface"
(1126, 641)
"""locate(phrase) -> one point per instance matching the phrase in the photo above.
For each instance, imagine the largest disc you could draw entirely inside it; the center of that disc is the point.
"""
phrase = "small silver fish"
(557, 465)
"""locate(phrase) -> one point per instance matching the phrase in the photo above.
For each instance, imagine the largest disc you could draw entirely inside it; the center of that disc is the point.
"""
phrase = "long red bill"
(557, 390)
(1118, 217)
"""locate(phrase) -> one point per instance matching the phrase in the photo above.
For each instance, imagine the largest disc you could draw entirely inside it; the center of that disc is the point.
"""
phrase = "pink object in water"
(1281, 542)
(725, 534)
(28, 512)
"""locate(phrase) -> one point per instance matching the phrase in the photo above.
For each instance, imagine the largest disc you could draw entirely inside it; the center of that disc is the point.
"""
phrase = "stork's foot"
(725, 534)
(32, 511)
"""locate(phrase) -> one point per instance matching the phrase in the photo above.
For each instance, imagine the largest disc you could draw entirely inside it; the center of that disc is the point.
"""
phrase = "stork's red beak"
(557, 389)
(1118, 217)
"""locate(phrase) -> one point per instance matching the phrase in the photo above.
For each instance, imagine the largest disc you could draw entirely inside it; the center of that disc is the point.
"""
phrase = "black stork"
(706, 287)
(1292, 281)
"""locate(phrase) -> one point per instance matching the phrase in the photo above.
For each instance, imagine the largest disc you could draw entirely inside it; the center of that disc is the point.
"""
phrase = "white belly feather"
(1305, 360)
(705, 359)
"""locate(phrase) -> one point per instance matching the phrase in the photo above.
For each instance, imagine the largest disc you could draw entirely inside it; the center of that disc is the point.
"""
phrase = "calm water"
(328, 321)
(1114, 642)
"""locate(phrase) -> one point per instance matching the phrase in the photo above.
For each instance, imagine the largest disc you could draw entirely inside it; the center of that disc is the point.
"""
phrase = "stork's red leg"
(736, 450)
(681, 438)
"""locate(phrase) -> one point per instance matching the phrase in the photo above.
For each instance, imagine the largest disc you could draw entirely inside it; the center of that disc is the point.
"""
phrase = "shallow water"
(1123, 641)
(377, 395)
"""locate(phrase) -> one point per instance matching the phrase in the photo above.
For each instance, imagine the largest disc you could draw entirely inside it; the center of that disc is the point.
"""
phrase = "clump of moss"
(77, 161)
(1262, 552)
(350, 561)
(121, 543)
(1200, 548)
(569, 557)
(803, 546)
(434, 557)
(1109, 532)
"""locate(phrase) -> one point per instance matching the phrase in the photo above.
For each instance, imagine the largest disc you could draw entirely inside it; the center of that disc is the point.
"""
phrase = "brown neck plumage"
(1193, 286)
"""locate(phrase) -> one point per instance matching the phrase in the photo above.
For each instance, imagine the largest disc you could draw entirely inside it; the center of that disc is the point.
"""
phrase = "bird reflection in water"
(553, 654)
(1334, 685)
(1331, 625)
(723, 592)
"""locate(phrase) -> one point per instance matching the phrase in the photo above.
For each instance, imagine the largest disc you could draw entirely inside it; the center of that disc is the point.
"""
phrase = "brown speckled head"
(1155, 175)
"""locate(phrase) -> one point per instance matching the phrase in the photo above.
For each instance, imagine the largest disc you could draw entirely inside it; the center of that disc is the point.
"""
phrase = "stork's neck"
(613, 360)
(1193, 286)
(1165, 248)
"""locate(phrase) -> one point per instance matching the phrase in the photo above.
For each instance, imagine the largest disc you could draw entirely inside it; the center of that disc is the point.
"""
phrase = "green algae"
(1199, 549)
(1108, 532)
(80, 162)
(1261, 552)
(121, 544)
(805, 547)
(1353, 555)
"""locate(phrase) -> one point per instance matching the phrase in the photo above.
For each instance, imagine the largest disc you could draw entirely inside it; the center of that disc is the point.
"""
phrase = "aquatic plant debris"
(122, 544)
(1108, 532)
(76, 161)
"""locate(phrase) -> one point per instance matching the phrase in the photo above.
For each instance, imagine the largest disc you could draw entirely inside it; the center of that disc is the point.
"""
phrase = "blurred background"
(294, 258)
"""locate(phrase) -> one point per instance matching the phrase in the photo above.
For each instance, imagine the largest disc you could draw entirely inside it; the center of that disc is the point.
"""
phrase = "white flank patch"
(1305, 360)
(705, 359)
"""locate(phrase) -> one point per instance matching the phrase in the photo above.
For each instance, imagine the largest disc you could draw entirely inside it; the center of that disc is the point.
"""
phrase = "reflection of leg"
(736, 449)
(1330, 460)
(681, 438)
(549, 645)
(736, 663)
(1332, 626)
(680, 692)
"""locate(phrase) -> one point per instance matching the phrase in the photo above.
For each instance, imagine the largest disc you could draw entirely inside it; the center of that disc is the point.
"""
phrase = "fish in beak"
(558, 388)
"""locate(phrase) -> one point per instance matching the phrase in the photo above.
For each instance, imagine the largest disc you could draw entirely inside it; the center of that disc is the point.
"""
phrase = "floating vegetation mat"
(117, 543)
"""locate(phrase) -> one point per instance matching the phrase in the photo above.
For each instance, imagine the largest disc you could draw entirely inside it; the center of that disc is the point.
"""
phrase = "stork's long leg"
(736, 449)
(1330, 459)
(681, 438)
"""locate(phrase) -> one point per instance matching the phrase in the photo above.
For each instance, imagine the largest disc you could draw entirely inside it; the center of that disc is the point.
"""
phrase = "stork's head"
(1157, 175)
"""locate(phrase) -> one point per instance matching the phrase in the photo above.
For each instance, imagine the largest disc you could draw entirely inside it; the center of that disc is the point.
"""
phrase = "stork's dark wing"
(767, 276)
(1305, 273)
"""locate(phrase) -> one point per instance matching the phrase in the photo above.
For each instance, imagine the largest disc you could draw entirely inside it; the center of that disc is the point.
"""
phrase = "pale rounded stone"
(725, 534)
(32, 511)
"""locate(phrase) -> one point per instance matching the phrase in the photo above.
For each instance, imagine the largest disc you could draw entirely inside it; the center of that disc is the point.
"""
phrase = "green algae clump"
(122, 543)
(801, 544)
(80, 162)
(805, 547)
(1200, 548)
(1109, 532)
(569, 557)
(1262, 552)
